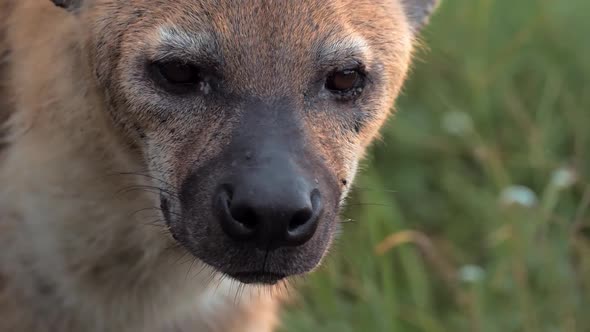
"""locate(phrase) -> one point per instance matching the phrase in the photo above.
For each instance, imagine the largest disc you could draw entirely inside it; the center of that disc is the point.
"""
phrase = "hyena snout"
(265, 207)
(269, 207)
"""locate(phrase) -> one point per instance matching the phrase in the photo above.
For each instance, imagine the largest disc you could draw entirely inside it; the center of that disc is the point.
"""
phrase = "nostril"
(245, 215)
(304, 222)
(316, 202)
(237, 222)
(227, 192)
(300, 218)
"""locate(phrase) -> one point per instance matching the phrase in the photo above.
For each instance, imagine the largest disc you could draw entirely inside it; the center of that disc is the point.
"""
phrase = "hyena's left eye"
(345, 81)
(179, 73)
(178, 77)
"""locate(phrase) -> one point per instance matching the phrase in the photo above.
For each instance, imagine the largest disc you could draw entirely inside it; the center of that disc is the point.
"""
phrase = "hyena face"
(252, 115)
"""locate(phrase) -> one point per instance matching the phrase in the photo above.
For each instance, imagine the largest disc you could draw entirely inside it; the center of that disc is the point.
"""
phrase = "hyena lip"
(258, 277)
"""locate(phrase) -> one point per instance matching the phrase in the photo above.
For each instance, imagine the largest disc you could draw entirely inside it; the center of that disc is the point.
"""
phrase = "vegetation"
(473, 212)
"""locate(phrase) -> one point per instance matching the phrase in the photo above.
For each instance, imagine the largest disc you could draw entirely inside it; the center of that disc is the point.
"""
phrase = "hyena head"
(252, 115)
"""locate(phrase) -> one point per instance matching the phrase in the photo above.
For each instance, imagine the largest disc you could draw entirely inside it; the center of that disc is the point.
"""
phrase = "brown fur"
(76, 253)
(4, 53)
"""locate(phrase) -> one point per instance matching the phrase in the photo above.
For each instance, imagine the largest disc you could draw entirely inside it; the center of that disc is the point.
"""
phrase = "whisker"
(199, 271)
(189, 270)
(147, 176)
(181, 257)
(374, 189)
(347, 221)
(173, 246)
(239, 291)
(221, 278)
(131, 189)
(157, 223)
(149, 189)
(155, 209)
(210, 279)
(369, 204)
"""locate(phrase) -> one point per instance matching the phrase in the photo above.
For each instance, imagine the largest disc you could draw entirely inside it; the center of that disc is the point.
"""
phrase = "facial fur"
(262, 70)
(245, 119)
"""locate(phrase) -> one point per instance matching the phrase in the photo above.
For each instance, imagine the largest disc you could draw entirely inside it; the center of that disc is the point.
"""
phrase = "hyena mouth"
(258, 277)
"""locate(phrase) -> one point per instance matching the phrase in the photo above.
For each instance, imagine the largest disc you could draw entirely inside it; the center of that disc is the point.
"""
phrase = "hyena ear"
(70, 5)
(419, 11)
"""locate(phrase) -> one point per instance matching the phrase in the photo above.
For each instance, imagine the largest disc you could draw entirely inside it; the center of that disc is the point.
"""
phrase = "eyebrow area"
(348, 51)
(176, 44)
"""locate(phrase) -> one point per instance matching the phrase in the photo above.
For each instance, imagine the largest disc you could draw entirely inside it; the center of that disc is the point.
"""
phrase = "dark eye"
(178, 73)
(344, 81)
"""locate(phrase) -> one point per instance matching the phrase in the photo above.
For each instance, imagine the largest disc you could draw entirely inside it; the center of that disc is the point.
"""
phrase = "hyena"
(166, 165)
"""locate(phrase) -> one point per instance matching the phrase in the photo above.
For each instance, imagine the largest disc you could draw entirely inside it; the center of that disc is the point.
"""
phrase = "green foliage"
(481, 183)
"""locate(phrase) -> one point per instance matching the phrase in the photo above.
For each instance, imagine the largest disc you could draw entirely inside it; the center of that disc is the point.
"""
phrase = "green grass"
(501, 99)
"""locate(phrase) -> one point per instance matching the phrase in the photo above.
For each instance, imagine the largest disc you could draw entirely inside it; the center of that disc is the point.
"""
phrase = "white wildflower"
(457, 123)
(564, 178)
(518, 195)
(471, 273)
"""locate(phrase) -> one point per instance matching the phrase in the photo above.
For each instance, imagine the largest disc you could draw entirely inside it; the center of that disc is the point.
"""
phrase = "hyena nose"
(269, 216)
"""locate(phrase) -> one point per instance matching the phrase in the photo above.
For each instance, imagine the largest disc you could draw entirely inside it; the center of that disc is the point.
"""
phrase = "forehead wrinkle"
(174, 42)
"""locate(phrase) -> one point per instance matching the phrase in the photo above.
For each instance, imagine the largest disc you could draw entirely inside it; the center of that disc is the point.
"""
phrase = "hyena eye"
(345, 81)
(178, 73)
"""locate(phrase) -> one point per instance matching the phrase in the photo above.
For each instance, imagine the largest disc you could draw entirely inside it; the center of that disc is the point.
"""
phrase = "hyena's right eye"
(346, 83)
(176, 76)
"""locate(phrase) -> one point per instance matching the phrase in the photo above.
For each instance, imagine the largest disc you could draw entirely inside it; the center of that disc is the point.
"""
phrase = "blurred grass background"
(472, 213)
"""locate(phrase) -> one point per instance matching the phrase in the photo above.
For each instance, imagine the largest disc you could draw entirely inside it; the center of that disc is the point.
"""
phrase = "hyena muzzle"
(249, 117)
